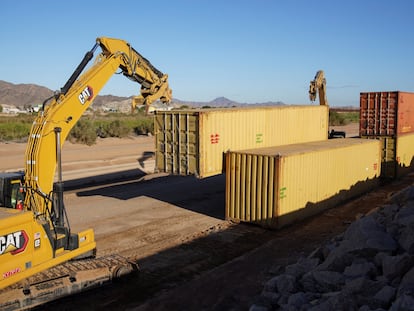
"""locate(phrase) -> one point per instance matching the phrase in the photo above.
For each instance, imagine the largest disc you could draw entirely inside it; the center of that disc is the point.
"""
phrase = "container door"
(177, 143)
(378, 116)
(388, 158)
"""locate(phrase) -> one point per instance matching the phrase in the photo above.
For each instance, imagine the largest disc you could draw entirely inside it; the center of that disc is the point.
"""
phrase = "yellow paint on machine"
(25, 247)
(277, 186)
(194, 141)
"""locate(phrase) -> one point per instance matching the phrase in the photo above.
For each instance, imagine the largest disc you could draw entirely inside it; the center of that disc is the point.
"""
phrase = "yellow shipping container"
(397, 154)
(277, 186)
(405, 154)
(194, 141)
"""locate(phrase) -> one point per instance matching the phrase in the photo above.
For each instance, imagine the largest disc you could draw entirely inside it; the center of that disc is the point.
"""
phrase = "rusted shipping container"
(397, 155)
(277, 186)
(194, 141)
(386, 113)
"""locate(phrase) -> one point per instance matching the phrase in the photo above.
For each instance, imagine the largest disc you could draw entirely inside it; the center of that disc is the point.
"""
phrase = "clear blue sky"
(248, 51)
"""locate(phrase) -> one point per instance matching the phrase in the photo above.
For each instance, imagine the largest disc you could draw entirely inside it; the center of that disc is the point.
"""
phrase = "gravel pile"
(368, 267)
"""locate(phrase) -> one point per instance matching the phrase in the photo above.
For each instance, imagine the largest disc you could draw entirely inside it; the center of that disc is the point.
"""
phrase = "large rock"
(322, 281)
(368, 267)
(360, 268)
(369, 237)
(396, 266)
(406, 238)
(303, 266)
(385, 296)
(407, 283)
(404, 302)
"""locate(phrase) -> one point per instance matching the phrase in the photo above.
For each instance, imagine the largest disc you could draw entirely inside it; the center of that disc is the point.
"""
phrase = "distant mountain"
(27, 95)
(102, 100)
(221, 102)
(22, 95)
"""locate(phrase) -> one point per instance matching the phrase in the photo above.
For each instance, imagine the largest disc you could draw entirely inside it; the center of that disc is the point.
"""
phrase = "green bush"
(141, 126)
(342, 118)
(83, 132)
(14, 131)
(86, 130)
(351, 116)
(336, 118)
(115, 128)
(15, 128)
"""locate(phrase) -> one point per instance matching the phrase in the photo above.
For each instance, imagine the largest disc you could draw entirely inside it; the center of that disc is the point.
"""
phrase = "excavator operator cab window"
(12, 192)
(16, 194)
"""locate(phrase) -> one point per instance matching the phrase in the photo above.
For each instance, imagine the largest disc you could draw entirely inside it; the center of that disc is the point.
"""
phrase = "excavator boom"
(318, 85)
(67, 106)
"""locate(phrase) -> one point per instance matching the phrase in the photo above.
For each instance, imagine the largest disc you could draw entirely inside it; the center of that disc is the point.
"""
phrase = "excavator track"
(65, 279)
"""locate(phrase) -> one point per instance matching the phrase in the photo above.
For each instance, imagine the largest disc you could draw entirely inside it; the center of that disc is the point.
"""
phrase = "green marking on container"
(259, 138)
(282, 193)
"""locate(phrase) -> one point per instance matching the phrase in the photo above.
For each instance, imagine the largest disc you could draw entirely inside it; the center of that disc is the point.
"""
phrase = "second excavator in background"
(318, 86)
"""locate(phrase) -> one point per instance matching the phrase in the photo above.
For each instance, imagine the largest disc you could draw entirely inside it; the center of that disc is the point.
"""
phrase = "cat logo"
(85, 95)
(13, 243)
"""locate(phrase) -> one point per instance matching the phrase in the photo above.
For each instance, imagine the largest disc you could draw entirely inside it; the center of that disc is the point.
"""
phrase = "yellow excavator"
(318, 85)
(34, 230)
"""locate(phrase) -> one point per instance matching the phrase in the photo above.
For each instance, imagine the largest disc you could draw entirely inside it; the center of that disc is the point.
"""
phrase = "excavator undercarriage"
(63, 280)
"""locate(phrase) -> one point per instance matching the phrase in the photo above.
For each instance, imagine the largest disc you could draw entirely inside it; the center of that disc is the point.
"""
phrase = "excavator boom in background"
(34, 230)
(318, 85)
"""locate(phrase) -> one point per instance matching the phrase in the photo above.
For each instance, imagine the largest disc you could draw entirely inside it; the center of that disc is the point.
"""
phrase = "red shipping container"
(386, 113)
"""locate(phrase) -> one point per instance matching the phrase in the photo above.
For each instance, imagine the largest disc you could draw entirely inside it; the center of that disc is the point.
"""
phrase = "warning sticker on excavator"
(11, 272)
(37, 240)
(13, 243)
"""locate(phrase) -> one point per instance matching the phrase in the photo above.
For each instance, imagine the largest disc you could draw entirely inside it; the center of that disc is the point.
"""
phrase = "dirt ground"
(106, 156)
(190, 257)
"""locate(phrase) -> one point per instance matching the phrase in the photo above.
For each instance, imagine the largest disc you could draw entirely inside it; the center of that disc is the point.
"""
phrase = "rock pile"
(368, 267)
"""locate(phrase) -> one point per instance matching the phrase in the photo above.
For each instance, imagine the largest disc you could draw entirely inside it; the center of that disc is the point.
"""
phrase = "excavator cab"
(11, 190)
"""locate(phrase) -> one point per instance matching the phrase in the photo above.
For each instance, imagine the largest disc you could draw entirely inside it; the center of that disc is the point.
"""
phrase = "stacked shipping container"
(389, 117)
(194, 141)
(276, 186)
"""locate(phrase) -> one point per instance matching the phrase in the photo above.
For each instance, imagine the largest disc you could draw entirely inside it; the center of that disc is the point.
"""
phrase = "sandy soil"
(190, 258)
(107, 155)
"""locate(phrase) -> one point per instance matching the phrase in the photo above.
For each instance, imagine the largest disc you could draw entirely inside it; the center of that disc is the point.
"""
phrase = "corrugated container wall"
(194, 141)
(397, 155)
(386, 113)
(405, 154)
(277, 186)
(389, 117)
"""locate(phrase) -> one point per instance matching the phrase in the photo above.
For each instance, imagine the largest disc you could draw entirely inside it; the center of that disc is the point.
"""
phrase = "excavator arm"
(54, 122)
(318, 85)
(154, 84)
